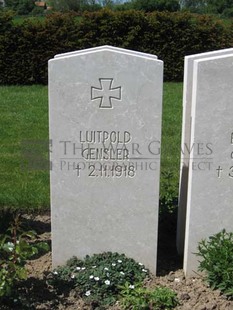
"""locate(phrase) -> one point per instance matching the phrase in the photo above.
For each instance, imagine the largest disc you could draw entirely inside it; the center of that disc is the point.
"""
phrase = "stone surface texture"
(113, 99)
(210, 180)
(186, 135)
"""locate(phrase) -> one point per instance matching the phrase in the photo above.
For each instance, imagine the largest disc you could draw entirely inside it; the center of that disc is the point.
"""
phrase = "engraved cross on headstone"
(106, 93)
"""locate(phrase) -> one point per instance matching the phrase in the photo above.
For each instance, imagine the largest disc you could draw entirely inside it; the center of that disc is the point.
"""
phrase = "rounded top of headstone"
(209, 54)
(106, 48)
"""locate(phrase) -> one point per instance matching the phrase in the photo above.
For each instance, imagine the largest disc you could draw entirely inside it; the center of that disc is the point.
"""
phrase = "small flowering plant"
(15, 248)
(98, 278)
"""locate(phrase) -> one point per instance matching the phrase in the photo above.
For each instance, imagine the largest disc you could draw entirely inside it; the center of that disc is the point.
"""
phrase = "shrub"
(122, 29)
(26, 48)
(98, 278)
(38, 11)
(175, 35)
(228, 13)
(25, 7)
(217, 261)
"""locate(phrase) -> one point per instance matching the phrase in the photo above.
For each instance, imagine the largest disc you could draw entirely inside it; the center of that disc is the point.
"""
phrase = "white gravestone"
(209, 197)
(105, 124)
(185, 142)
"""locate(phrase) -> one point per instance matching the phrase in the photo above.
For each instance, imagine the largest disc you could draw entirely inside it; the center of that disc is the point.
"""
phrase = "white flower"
(96, 278)
(91, 277)
(107, 282)
(140, 264)
(73, 276)
(131, 286)
(55, 272)
(83, 268)
(78, 268)
(105, 268)
(119, 261)
(144, 270)
(122, 273)
(10, 246)
(93, 266)
(113, 264)
(88, 293)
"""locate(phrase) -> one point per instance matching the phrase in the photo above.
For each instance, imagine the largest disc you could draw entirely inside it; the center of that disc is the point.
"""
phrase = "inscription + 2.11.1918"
(109, 171)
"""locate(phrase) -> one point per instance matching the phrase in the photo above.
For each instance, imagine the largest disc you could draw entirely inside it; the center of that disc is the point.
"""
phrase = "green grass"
(19, 20)
(227, 21)
(24, 116)
(171, 136)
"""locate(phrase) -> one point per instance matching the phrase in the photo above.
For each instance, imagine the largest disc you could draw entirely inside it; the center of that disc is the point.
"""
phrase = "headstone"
(185, 143)
(210, 179)
(105, 124)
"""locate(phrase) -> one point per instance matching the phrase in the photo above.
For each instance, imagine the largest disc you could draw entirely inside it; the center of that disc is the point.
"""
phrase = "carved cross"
(106, 93)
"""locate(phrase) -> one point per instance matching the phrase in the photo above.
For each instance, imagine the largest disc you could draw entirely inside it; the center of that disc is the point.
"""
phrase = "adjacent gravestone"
(209, 197)
(185, 144)
(105, 124)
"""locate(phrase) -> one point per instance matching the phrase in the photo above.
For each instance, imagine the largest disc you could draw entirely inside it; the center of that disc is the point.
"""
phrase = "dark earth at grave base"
(192, 293)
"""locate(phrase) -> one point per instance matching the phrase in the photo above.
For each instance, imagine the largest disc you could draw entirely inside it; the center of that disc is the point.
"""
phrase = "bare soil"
(193, 293)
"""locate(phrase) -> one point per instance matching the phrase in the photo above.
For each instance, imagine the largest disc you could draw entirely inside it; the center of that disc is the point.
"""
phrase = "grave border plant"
(103, 279)
(97, 278)
(216, 254)
(138, 297)
(16, 247)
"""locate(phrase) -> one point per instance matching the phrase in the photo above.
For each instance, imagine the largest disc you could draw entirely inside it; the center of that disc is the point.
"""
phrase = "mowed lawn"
(24, 125)
(171, 139)
(23, 117)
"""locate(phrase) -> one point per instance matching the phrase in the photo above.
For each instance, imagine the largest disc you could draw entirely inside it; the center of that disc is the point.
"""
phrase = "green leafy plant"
(98, 278)
(168, 195)
(15, 249)
(136, 297)
(217, 261)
